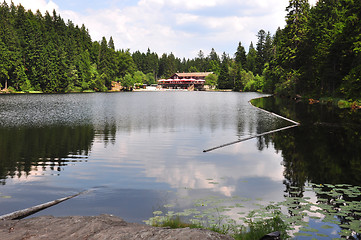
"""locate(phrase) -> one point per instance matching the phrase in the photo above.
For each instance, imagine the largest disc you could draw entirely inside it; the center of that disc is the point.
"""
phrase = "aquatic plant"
(334, 207)
(212, 214)
(3, 196)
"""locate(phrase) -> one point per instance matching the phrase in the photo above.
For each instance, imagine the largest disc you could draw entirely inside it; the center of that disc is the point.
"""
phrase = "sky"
(183, 27)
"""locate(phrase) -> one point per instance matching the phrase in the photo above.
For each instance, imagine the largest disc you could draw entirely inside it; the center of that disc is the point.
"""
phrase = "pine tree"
(111, 44)
(241, 56)
(261, 51)
(224, 79)
(251, 64)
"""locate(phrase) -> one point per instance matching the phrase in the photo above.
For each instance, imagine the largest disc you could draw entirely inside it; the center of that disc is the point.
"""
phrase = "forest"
(317, 54)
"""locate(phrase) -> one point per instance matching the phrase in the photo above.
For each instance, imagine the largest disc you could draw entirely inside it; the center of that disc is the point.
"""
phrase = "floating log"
(29, 211)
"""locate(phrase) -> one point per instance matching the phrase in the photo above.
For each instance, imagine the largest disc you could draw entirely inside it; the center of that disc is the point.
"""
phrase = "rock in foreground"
(99, 228)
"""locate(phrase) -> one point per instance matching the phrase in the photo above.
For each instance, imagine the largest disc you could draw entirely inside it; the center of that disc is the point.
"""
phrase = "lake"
(139, 151)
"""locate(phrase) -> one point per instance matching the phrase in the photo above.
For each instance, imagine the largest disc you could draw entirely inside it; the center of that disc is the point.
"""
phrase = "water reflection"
(139, 143)
(24, 150)
(324, 149)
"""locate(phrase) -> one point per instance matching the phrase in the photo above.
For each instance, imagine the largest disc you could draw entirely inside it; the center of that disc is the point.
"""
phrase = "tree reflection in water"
(42, 148)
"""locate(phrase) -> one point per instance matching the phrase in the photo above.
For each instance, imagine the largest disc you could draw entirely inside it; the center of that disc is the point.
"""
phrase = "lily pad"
(322, 235)
(303, 234)
(326, 227)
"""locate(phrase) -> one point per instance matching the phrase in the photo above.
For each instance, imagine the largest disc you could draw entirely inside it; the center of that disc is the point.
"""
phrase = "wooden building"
(190, 81)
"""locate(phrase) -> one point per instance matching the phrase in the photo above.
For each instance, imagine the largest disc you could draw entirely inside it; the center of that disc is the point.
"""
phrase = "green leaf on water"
(340, 201)
(326, 227)
(353, 196)
(157, 212)
(303, 234)
(295, 192)
(345, 232)
(341, 214)
(169, 205)
(322, 235)
(308, 229)
(345, 225)
(5, 196)
(213, 182)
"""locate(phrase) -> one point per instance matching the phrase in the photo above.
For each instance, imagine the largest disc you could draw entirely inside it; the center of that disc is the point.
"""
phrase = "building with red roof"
(190, 81)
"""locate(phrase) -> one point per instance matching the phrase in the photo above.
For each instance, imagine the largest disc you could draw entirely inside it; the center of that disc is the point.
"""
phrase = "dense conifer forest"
(317, 53)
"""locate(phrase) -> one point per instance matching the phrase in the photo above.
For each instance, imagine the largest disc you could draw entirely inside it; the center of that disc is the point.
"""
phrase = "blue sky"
(183, 27)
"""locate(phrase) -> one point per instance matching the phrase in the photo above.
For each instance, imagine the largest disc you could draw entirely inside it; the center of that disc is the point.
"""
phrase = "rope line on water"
(295, 124)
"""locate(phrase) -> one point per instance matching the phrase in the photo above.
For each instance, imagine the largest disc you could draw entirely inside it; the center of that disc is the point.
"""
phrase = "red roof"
(192, 75)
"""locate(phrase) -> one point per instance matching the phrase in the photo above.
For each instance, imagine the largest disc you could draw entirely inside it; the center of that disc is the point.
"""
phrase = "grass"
(256, 230)
(175, 222)
(251, 231)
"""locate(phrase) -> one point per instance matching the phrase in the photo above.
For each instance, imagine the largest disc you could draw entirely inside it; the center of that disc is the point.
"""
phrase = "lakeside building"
(190, 81)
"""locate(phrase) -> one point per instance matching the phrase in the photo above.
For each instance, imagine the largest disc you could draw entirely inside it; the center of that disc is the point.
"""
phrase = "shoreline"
(96, 227)
(338, 102)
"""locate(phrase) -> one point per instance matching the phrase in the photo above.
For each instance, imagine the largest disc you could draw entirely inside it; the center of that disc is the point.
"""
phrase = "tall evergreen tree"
(261, 51)
(251, 64)
(241, 56)
(224, 79)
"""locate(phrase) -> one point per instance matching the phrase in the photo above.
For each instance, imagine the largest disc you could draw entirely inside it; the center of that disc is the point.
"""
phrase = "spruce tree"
(241, 56)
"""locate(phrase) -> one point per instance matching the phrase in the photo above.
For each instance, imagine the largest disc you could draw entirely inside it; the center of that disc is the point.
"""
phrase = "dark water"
(139, 151)
(326, 148)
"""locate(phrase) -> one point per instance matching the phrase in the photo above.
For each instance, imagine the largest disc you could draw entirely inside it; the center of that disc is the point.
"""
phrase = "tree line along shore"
(317, 54)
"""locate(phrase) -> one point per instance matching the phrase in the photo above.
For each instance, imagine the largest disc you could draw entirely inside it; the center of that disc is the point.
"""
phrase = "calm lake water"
(138, 151)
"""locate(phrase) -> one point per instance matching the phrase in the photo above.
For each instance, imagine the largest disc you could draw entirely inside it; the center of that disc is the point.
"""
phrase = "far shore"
(341, 103)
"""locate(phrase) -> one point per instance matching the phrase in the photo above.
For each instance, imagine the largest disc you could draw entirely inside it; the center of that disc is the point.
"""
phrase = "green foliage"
(139, 77)
(241, 56)
(149, 79)
(317, 53)
(193, 69)
(224, 79)
(172, 222)
(43, 53)
(255, 84)
(258, 229)
(251, 64)
(288, 86)
(212, 80)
